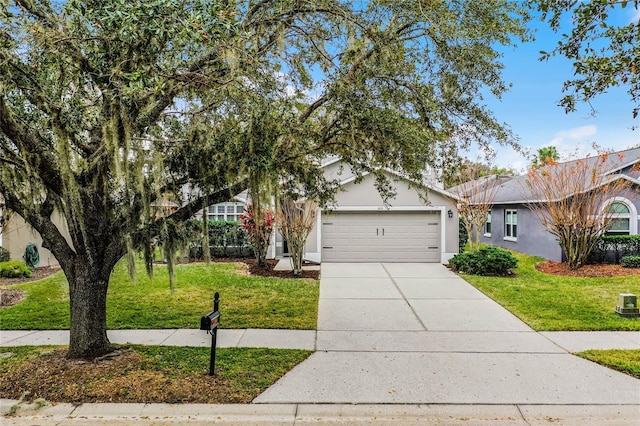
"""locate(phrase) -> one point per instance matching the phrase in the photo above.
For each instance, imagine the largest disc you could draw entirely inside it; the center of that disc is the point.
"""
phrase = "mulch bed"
(267, 271)
(599, 270)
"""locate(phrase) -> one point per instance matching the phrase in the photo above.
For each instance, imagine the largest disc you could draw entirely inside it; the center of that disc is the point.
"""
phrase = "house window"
(620, 223)
(511, 225)
(487, 225)
(229, 211)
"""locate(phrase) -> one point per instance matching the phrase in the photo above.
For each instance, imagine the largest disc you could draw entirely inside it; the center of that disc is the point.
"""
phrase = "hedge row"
(612, 248)
(226, 239)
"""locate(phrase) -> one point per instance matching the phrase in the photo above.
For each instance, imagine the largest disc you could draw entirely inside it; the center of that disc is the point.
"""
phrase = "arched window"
(623, 219)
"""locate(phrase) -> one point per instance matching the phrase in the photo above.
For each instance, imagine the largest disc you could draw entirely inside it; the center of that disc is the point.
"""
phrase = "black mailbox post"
(210, 323)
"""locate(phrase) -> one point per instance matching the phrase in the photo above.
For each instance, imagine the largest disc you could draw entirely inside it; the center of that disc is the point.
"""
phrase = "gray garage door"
(381, 237)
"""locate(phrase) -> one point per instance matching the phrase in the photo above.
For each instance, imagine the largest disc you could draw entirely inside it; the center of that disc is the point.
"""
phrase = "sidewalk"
(570, 341)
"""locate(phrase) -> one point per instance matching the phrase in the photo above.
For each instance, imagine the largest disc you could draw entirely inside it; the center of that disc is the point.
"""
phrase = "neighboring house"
(419, 225)
(17, 234)
(512, 225)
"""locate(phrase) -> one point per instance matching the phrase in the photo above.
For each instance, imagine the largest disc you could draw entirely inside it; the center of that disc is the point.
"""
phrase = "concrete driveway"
(418, 334)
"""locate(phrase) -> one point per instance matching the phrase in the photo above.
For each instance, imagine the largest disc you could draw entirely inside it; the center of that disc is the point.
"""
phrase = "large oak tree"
(106, 107)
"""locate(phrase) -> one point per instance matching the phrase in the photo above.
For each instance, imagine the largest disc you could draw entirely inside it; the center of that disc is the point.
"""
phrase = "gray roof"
(516, 191)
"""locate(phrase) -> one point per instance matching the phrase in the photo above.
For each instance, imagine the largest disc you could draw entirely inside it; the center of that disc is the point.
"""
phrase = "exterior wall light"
(628, 305)
(450, 213)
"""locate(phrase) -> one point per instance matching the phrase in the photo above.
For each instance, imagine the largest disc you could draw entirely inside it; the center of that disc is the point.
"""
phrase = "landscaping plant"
(258, 228)
(296, 221)
(569, 200)
(630, 262)
(14, 269)
(485, 261)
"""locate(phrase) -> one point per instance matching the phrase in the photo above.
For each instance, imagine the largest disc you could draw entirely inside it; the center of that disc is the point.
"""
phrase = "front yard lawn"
(551, 302)
(245, 301)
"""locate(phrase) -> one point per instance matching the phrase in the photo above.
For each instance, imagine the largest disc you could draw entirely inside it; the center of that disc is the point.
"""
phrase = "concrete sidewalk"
(570, 341)
(227, 338)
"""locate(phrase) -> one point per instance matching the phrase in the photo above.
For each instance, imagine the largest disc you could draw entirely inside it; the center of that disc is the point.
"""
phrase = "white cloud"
(574, 143)
(634, 15)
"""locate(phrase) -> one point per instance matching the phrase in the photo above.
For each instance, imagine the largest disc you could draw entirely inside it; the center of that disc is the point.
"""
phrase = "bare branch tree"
(475, 201)
(570, 200)
(296, 220)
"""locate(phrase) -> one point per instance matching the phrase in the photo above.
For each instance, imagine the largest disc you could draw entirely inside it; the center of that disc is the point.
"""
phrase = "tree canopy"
(110, 108)
(604, 54)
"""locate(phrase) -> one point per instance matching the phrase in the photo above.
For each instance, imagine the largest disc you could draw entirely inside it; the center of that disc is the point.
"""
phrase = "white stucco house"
(419, 225)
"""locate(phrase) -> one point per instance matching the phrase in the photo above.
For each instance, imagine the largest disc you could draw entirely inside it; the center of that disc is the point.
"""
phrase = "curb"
(299, 414)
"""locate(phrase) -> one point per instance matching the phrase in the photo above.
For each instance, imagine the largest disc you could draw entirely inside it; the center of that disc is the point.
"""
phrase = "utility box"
(628, 305)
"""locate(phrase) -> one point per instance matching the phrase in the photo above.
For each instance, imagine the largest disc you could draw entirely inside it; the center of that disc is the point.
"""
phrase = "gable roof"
(615, 165)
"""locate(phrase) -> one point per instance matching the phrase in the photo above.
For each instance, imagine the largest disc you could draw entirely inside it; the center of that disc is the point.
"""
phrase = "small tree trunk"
(88, 305)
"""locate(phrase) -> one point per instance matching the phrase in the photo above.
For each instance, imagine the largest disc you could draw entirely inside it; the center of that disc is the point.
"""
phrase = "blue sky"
(531, 108)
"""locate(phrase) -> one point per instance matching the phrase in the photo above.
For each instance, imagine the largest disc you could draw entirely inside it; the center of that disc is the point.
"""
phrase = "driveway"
(419, 334)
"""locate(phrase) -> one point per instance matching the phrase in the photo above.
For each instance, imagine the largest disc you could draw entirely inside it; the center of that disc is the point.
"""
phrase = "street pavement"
(395, 344)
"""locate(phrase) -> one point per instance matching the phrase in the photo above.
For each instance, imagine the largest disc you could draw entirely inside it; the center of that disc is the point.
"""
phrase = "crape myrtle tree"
(106, 107)
(475, 198)
(605, 53)
(569, 199)
(296, 220)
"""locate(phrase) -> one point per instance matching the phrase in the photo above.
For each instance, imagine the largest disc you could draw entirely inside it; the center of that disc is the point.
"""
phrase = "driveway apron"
(414, 333)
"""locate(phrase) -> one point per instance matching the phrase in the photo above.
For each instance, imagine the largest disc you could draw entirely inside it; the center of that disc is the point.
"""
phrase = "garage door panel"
(381, 236)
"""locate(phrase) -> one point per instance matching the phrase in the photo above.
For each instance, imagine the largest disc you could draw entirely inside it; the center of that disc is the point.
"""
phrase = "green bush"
(14, 269)
(486, 261)
(612, 248)
(226, 239)
(630, 262)
(5, 255)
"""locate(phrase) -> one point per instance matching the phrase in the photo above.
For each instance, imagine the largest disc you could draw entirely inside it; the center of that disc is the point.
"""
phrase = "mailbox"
(210, 321)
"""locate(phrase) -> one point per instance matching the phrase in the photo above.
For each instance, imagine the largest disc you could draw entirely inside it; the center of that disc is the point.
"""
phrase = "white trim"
(384, 209)
(633, 212)
(319, 233)
(510, 237)
(330, 162)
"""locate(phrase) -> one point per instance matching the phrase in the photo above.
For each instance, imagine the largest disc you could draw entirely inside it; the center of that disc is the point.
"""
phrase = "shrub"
(612, 248)
(5, 255)
(226, 239)
(486, 261)
(14, 269)
(630, 262)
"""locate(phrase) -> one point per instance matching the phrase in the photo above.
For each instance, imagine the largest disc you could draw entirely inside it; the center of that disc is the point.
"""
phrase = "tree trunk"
(88, 305)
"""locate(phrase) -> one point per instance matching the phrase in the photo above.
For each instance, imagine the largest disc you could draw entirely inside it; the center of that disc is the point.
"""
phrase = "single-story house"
(419, 225)
(511, 224)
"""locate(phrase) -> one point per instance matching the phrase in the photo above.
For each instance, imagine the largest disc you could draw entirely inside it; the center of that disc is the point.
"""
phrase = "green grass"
(245, 301)
(144, 374)
(550, 302)
(626, 361)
